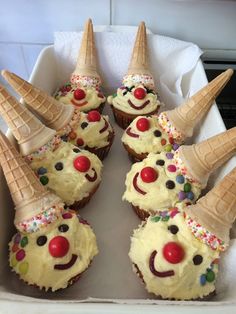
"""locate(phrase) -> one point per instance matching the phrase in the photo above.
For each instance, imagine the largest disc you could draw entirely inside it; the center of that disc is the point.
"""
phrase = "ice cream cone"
(87, 58)
(29, 195)
(54, 114)
(203, 158)
(216, 211)
(30, 133)
(186, 116)
(139, 63)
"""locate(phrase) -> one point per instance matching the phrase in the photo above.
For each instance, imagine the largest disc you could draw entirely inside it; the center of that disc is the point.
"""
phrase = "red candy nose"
(173, 252)
(58, 246)
(139, 93)
(79, 94)
(82, 163)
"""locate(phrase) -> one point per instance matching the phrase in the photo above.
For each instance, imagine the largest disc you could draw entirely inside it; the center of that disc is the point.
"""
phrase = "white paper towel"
(170, 60)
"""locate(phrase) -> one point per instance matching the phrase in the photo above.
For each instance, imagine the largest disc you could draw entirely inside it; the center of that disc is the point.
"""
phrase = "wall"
(26, 26)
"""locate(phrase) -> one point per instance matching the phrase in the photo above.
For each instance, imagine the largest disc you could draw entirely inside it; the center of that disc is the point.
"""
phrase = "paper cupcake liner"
(158, 297)
(123, 119)
(80, 204)
(142, 214)
(102, 152)
(133, 156)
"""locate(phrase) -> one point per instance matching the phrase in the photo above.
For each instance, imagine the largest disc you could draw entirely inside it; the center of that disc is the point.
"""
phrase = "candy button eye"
(143, 124)
(63, 228)
(82, 163)
(197, 259)
(149, 174)
(41, 240)
(173, 229)
(140, 93)
(79, 94)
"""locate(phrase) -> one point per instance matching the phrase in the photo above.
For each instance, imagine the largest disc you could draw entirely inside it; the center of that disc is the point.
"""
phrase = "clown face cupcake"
(52, 247)
(84, 89)
(176, 252)
(71, 173)
(165, 132)
(91, 131)
(163, 180)
(137, 95)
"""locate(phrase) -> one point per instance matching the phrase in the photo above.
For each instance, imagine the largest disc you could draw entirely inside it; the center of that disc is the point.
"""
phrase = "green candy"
(187, 187)
(114, 95)
(13, 261)
(168, 148)
(23, 268)
(165, 218)
(210, 276)
(24, 241)
(44, 180)
(155, 219)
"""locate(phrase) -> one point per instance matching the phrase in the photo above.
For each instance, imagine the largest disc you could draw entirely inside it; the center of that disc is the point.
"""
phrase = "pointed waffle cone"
(87, 58)
(30, 133)
(139, 63)
(29, 195)
(186, 116)
(54, 114)
(203, 158)
(216, 211)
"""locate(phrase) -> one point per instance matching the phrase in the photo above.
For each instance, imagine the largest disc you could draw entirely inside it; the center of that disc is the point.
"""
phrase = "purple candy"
(169, 155)
(17, 238)
(181, 195)
(175, 146)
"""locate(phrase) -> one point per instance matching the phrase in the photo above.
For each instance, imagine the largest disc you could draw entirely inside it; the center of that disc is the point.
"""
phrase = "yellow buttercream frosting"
(68, 183)
(93, 99)
(194, 273)
(122, 99)
(30, 255)
(153, 140)
(94, 134)
(157, 194)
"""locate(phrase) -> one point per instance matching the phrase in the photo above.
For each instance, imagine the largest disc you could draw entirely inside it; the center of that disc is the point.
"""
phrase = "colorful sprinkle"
(171, 168)
(163, 142)
(146, 80)
(168, 148)
(23, 268)
(13, 261)
(203, 280)
(17, 238)
(20, 255)
(187, 187)
(167, 126)
(85, 81)
(44, 180)
(210, 277)
(15, 247)
(175, 146)
(190, 196)
(180, 179)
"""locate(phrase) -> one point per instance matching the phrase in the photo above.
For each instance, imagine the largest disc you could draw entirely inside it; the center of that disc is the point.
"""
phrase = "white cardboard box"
(109, 285)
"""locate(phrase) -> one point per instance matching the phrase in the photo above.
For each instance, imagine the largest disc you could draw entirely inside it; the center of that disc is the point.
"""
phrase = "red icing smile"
(131, 134)
(105, 127)
(135, 184)
(93, 178)
(80, 104)
(138, 107)
(68, 265)
(153, 270)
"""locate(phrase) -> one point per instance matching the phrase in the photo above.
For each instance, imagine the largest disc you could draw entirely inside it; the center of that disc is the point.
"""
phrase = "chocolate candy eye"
(173, 229)
(84, 125)
(41, 240)
(157, 133)
(170, 184)
(160, 162)
(63, 228)
(76, 150)
(197, 259)
(59, 166)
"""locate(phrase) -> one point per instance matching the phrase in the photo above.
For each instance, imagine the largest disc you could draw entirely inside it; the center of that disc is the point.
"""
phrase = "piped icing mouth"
(78, 104)
(92, 178)
(105, 127)
(67, 265)
(138, 107)
(153, 270)
(130, 133)
(135, 184)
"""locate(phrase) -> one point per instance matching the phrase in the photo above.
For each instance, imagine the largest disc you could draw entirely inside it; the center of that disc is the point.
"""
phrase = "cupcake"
(136, 97)
(177, 252)
(167, 131)
(91, 131)
(163, 180)
(72, 174)
(52, 246)
(84, 88)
